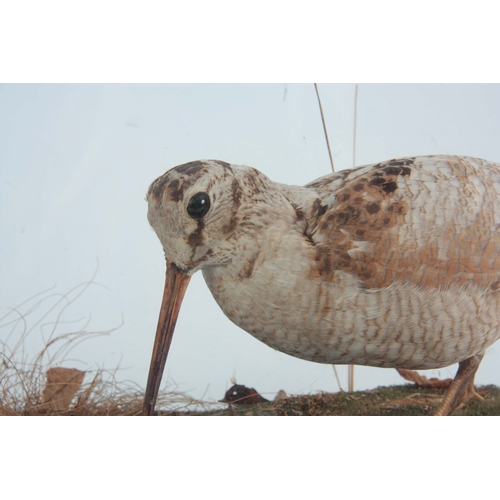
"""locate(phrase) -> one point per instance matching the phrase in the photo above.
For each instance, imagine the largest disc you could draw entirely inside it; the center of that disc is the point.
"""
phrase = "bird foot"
(468, 395)
(462, 388)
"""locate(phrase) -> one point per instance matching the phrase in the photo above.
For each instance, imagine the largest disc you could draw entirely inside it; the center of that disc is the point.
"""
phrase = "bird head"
(199, 211)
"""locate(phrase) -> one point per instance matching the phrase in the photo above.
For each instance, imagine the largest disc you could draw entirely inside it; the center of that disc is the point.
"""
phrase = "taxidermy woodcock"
(395, 264)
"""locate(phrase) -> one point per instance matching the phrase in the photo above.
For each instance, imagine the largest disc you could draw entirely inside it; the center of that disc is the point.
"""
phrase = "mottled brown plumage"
(395, 264)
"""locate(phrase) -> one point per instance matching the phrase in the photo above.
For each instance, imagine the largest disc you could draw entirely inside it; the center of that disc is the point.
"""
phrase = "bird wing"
(431, 221)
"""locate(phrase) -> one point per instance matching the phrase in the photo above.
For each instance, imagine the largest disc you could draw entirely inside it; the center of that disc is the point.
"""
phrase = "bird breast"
(341, 322)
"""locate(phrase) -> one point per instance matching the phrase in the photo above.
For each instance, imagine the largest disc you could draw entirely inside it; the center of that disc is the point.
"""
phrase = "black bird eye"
(198, 205)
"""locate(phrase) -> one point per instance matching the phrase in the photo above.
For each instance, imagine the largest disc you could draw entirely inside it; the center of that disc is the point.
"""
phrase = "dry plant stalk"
(38, 384)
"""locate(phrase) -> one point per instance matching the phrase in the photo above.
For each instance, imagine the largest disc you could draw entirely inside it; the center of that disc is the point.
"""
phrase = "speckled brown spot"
(495, 285)
(157, 187)
(224, 164)
(299, 213)
(196, 237)
(393, 170)
(190, 168)
(236, 192)
(318, 208)
(253, 182)
(406, 163)
(389, 187)
(324, 262)
(372, 208)
(234, 220)
(378, 181)
(249, 266)
(175, 191)
(232, 225)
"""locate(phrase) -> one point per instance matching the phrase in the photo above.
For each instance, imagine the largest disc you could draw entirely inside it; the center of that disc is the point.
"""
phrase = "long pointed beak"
(175, 286)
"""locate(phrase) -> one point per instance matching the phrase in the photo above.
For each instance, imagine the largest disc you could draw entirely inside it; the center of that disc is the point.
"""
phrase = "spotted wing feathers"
(432, 221)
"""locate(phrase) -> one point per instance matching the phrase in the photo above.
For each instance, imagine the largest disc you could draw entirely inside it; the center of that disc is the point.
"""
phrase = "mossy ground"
(387, 401)
(398, 400)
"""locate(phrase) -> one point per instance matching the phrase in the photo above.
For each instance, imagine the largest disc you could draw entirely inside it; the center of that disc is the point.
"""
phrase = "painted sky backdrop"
(75, 164)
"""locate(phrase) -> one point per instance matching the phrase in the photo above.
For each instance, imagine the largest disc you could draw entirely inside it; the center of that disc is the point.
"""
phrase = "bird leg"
(468, 393)
(462, 387)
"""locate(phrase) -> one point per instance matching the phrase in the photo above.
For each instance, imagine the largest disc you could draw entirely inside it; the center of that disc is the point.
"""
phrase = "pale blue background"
(76, 161)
